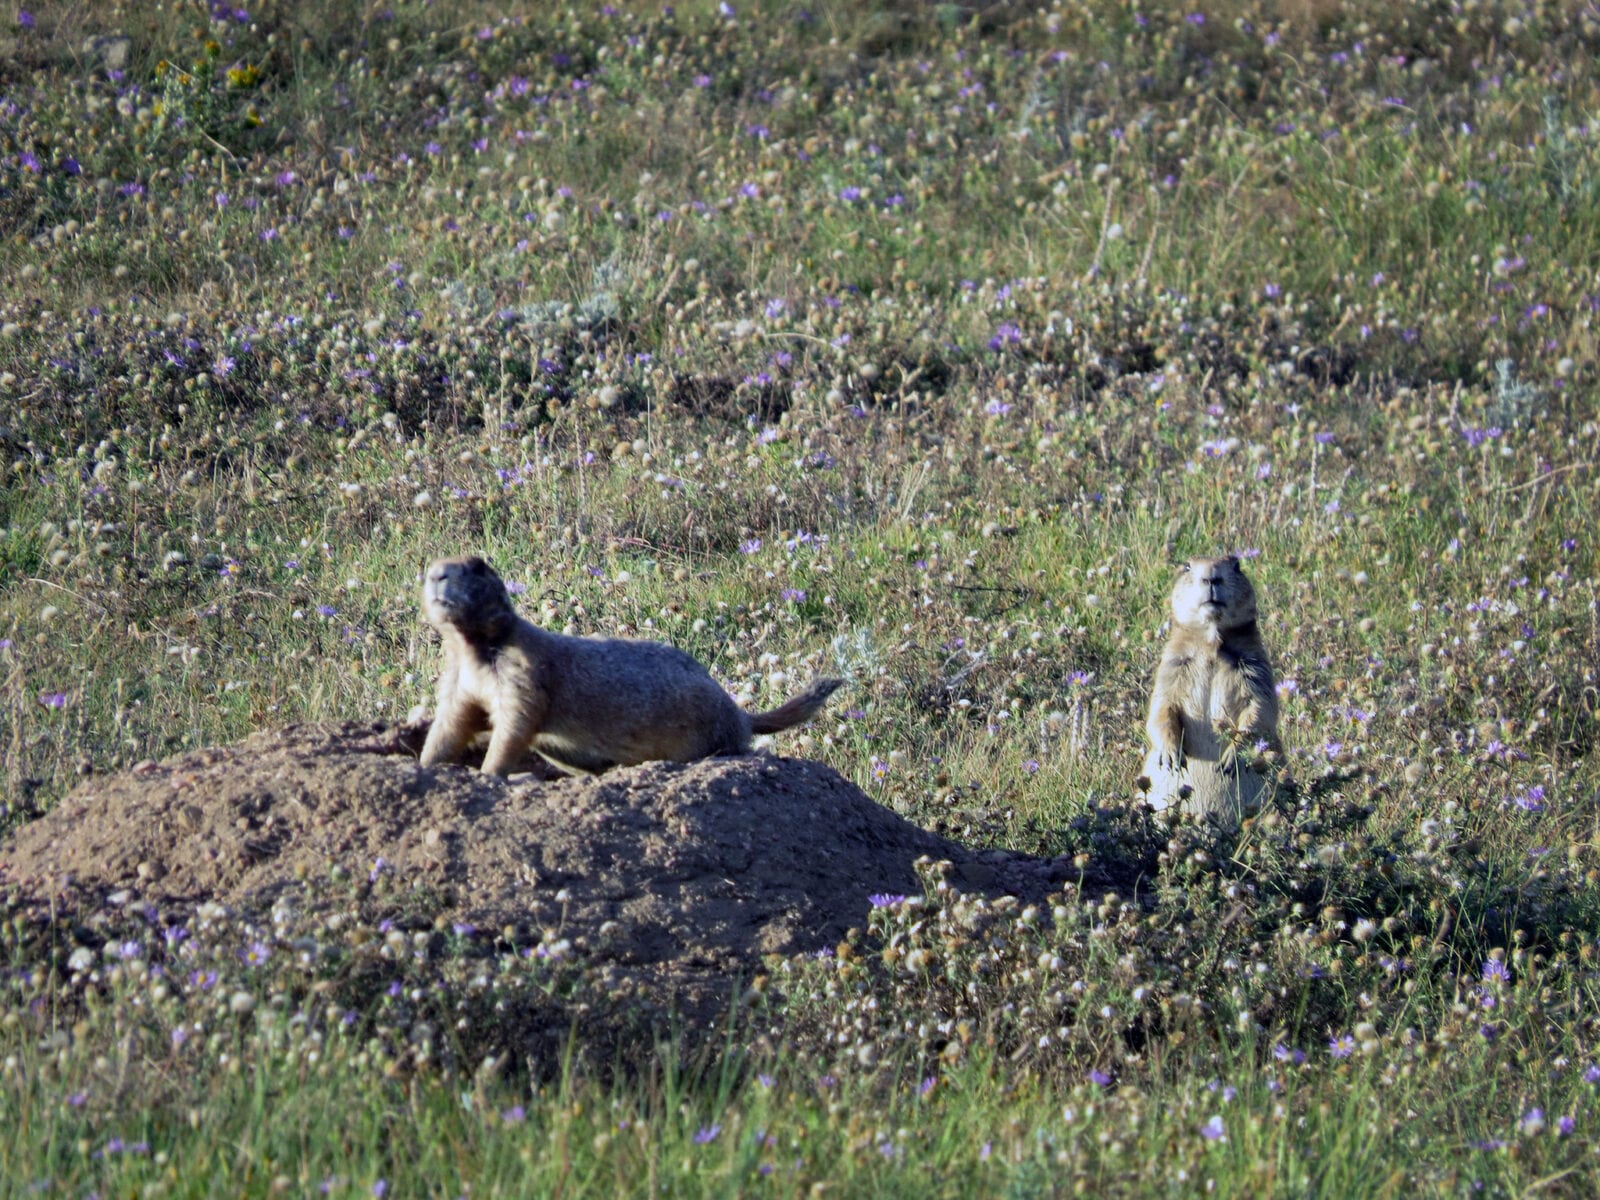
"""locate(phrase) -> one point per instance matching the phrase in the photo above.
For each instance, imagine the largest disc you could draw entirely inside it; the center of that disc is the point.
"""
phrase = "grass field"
(812, 339)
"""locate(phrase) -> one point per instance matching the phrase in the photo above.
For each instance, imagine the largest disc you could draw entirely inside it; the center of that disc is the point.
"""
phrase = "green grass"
(973, 321)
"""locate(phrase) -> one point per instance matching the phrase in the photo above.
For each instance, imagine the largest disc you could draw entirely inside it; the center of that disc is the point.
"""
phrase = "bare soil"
(695, 870)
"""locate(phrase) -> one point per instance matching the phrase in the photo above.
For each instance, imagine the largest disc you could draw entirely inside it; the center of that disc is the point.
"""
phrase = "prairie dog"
(1214, 682)
(585, 704)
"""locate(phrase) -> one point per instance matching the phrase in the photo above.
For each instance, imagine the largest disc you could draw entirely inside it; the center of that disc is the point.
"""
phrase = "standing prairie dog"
(1214, 683)
(585, 704)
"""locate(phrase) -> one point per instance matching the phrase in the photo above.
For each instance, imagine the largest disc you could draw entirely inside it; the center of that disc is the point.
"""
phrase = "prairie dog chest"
(1207, 688)
(479, 680)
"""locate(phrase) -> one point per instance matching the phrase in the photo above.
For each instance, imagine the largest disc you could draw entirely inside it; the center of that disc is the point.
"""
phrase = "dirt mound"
(668, 870)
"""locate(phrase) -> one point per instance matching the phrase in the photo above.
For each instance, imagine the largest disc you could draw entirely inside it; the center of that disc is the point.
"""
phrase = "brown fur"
(585, 704)
(1214, 684)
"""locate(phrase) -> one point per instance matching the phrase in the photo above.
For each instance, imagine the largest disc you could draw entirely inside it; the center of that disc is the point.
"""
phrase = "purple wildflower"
(1007, 335)
(1531, 800)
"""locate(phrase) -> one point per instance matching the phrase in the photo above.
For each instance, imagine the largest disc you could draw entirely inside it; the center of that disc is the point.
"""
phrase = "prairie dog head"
(465, 593)
(1213, 594)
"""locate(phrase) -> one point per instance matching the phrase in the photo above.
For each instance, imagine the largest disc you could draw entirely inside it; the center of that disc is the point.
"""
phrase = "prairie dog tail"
(797, 709)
